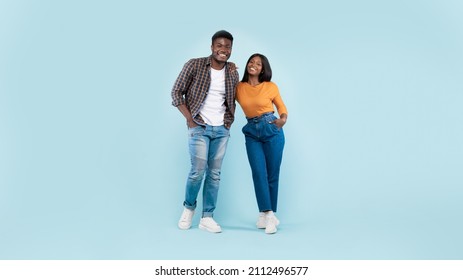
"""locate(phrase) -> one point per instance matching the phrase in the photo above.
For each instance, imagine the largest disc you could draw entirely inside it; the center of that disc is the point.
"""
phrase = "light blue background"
(93, 158)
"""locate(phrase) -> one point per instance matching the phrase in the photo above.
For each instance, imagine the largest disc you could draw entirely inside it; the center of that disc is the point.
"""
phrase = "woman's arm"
(281, 121)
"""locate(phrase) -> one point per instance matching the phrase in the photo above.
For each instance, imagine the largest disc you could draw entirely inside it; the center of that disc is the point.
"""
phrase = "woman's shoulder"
(268, 84)
(271, 84)
(244, 85)
(240, 87)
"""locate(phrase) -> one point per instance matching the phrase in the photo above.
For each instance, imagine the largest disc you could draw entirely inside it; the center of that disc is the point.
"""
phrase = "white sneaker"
(272, 223)
(207, 223)
(262, 222)
(185, 219)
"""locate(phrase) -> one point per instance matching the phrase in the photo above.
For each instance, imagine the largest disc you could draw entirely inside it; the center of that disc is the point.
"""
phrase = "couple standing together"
(205, 93)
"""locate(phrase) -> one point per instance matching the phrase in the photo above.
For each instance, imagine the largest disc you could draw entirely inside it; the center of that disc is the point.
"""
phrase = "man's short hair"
(222, 34)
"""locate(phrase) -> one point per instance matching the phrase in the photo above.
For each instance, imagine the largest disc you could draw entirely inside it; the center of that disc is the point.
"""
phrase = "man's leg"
(198, 145)
(218, 144)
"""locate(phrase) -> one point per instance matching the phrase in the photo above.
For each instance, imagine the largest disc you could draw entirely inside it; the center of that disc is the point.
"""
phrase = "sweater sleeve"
(278, 101)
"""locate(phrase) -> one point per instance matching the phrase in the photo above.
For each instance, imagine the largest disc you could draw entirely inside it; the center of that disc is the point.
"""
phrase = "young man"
(204, 93)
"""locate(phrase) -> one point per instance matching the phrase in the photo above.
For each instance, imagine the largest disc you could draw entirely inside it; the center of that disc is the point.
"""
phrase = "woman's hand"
(232, 67)
(281, 121)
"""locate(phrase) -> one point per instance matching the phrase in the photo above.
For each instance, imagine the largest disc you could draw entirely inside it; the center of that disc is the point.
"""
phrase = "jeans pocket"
(226, 131)
(196, 131)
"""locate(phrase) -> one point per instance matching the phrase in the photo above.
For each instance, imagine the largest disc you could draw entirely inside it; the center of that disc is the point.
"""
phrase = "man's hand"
(191, 123)
(186, 113)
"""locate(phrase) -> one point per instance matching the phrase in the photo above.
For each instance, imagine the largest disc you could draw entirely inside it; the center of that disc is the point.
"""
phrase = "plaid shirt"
(192, 86)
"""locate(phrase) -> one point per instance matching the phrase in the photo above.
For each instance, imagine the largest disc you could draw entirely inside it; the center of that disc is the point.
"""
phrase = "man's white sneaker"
(208, 223)
(185, 219)
(272, 223)
(262, 221)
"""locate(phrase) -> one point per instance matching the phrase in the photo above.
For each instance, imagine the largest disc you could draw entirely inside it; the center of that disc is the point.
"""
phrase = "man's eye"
(223, 46)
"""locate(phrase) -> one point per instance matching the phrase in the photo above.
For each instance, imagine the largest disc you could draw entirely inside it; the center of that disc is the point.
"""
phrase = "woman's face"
(254, 66)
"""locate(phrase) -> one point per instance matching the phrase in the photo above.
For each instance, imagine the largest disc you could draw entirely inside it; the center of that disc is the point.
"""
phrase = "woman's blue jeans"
(264, 146)
(207, 146)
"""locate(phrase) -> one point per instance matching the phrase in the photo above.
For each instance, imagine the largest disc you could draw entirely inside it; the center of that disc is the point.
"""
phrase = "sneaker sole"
(184, 228)
(271, 232)
(208, 229)
(260, 226)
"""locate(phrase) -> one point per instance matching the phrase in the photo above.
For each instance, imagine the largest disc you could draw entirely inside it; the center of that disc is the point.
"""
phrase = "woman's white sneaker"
(271, 224)
(208, 223)
(262, 221)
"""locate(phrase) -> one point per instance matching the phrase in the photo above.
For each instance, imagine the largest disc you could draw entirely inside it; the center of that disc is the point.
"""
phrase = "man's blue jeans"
(207, 149)
(264, 146)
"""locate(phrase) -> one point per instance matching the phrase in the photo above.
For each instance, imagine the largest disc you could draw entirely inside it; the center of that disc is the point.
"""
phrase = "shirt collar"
(209, 61)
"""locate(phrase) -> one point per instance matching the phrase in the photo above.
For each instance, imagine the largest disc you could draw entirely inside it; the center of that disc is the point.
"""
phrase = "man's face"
(221, 49)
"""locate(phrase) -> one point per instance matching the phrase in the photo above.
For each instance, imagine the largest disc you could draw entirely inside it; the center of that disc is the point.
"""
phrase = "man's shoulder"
(234, 74)
(198, 61)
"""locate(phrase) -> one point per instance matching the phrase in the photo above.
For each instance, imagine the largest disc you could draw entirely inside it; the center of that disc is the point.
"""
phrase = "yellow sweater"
(259, 99)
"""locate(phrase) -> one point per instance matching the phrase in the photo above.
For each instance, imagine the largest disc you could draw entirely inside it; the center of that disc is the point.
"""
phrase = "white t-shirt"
(213, 109)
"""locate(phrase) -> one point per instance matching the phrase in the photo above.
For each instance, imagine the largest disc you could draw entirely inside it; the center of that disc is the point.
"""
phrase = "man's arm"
(180, 88)
(182, 83)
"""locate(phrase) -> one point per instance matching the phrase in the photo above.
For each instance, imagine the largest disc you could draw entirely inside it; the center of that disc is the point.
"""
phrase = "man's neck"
(217, 65)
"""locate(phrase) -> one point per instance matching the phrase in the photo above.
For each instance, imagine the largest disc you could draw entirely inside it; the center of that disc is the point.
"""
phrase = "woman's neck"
(253, 81)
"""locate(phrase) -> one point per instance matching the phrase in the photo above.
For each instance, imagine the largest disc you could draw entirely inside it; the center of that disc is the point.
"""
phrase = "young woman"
(264, 136)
